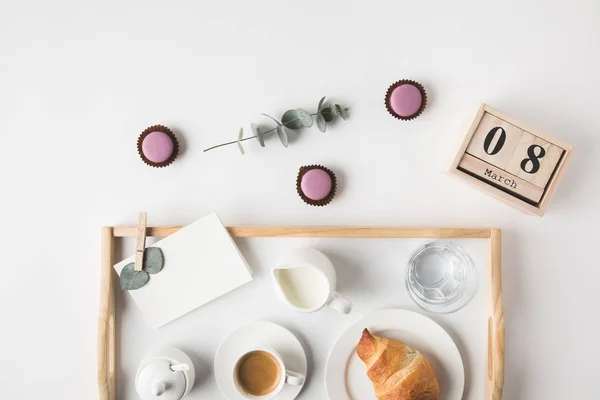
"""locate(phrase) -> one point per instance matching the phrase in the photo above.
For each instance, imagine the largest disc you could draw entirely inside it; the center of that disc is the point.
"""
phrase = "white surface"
(371, 273)
(79, 81)
(345, 373)
(201, 264)
(255, 336)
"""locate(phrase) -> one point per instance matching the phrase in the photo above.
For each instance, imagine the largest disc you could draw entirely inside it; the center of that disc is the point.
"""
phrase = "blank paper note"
(202, 263)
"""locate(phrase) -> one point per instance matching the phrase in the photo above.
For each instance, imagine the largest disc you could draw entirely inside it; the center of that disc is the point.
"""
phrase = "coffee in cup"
(258, 373)
(261, 374)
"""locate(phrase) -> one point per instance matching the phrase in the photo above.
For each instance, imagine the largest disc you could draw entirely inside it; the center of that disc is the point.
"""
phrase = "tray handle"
(495, 313)
(106, 321)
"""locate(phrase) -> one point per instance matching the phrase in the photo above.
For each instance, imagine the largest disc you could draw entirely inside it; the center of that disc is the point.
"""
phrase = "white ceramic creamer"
(305, 279)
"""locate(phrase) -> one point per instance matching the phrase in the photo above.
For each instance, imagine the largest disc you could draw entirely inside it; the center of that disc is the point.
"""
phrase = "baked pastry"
(316, 185)
(157, 146)
(405, 99)
(397, 371)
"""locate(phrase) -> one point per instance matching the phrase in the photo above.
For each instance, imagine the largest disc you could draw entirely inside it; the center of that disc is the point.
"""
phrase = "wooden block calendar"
(511, 160)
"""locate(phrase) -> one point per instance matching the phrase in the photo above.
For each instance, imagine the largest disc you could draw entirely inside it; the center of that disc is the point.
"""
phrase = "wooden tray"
(493, 284)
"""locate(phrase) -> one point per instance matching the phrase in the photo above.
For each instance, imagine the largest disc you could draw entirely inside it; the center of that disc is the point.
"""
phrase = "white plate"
(345, 373)
(259, 334)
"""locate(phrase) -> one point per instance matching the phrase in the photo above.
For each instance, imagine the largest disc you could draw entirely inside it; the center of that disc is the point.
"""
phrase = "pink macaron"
(316, 185)
(405, 99)
(157, 146)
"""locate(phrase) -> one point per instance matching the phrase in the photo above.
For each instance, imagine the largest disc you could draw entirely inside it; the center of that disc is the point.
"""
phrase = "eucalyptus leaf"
(321, 124)
(334, 110)
(131, 279)
(340, 112)
(321, 103)
(305, 118)
(277, 122)
(258, 134)
(344, 113)
(327, 113)
(283, 136)
(239, 141)
(291, 119)
(154, 260)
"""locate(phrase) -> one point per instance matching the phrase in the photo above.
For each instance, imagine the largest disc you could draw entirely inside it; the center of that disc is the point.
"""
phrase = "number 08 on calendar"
(511, 160)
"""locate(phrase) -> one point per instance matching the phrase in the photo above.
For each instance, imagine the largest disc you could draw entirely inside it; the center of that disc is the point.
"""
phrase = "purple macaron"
(316, 185)
(405, 99)
(157, 146)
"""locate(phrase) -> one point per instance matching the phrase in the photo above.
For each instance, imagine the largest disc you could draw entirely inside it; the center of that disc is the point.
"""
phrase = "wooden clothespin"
(140, 243)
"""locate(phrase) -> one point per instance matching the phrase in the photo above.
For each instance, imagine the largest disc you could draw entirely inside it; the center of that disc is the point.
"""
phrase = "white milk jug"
(167, 374)
(305, 279)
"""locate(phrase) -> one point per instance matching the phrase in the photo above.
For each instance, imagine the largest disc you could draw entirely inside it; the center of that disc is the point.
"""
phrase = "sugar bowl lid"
(161, 379)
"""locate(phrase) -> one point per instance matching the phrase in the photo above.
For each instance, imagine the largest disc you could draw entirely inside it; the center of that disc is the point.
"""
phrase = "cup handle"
(294, 378)
(340, 303)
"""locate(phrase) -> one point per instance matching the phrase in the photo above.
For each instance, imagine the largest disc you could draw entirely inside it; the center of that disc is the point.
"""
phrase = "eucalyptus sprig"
(291, 119)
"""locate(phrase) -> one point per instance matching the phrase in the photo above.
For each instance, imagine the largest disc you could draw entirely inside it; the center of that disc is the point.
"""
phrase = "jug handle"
(340, 303)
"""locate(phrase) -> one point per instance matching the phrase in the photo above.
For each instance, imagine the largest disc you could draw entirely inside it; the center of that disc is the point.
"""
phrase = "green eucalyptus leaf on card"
(283, 136)
(327, 113)
(268, 116)
(154, 260)
(321, 124)
(258, 134)
(131, 279)
(321, 103)
(291, 119)
(305, 118)
(239, 141)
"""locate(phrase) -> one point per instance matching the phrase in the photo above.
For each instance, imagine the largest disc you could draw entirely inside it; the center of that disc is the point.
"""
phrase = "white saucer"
(259, 334)
(345, 373)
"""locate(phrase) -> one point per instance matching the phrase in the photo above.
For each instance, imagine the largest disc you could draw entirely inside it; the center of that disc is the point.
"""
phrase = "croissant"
(397, 371)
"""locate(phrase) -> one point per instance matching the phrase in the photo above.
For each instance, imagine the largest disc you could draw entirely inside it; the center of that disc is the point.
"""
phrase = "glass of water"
(441, 277)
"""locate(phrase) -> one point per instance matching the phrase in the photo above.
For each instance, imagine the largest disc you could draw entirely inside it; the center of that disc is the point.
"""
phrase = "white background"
(80, 80)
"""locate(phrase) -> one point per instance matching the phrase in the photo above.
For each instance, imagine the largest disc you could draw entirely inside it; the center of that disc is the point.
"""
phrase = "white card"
(202, 263)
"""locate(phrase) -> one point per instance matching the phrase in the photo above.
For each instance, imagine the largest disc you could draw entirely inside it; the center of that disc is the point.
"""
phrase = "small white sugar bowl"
(167, 374)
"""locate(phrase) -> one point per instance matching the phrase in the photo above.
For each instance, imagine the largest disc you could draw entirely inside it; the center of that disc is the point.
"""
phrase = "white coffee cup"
(305, 279)
(285, 376)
